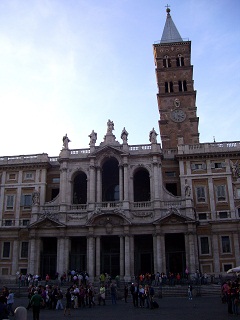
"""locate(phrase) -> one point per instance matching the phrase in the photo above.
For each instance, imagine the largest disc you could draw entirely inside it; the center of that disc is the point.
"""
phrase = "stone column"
(120, 183)
(91, 182)
(98, 257)
(19, 196)
(61, 258)
(125, 170)
(192, 253)
(121, 257)
(236, 248)
(155, 178)
(91, 257)
(215, 247)
(163, 253)
(42, 189)
(160, 256)
(154, 238)
(67, 250)
(32, 256)
(63, 183)
(132, 271)
(127, 276)
(15, 256)
(37, 254)
(99, 185)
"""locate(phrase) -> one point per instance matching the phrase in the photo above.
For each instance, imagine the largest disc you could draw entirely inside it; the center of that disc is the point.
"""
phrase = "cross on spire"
(168, 8)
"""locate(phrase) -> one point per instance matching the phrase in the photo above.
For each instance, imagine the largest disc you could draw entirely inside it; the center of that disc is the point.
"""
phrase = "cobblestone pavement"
(179, 308)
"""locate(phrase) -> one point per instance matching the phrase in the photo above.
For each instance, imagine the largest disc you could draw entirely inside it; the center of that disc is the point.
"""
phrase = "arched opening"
(80, 189)
(110, 180)
(141, 185)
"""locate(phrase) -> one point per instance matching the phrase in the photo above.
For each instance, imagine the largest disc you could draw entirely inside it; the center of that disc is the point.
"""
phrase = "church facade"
(128, 209)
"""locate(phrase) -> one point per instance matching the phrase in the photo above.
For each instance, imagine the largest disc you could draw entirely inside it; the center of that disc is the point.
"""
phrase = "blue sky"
(69, 66)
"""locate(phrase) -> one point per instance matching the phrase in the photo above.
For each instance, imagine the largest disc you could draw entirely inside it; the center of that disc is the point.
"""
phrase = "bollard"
(20, 313)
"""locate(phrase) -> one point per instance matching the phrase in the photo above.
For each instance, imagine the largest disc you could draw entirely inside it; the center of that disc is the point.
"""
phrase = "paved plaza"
(170, 308)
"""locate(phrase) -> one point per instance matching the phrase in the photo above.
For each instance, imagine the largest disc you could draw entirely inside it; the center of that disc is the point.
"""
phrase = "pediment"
(108, 219)
(173, 216)
(46, 223)
(108, 150)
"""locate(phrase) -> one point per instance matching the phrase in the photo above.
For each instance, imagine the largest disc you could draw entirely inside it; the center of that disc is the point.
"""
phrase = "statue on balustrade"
(65, 141)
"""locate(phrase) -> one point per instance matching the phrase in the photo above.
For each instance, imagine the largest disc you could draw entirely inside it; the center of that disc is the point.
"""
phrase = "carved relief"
(143, 214)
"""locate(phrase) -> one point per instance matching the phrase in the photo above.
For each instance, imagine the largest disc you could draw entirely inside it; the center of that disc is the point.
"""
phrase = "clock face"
(178, 115)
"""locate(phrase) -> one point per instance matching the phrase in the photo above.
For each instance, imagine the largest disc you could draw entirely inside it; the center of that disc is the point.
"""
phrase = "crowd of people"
(231, 296)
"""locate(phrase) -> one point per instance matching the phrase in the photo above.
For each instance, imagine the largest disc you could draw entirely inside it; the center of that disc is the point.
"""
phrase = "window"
(8, 223)
(6, 250)
(202, 216)
(226, 267)
(221, 193)
(5, 271)
(25, 222)
(26, 201)
(198, 166)
(166, 62)
(29, 175)
(200, 193)
(204, 245)
(226, 247)
(24, 249)
(238, 212)
(180, 61)
(168, 87)
(218, 165)
(170, 173)
(223, 215)
(12, 176)
(10, 202)
(182, 86)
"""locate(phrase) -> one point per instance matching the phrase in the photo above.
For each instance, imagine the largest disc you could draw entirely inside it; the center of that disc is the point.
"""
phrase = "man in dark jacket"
(36, 302)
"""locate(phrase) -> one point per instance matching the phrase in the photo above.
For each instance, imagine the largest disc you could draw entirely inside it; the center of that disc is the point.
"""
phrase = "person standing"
(190, 292)
(113, 289)
(36, 302)
(68, 302)
(125, 292)
(10, 301)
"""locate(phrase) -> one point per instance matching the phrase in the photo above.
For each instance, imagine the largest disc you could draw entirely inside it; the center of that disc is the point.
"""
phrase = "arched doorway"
(110, 180)
(80, 189)
(141, 185)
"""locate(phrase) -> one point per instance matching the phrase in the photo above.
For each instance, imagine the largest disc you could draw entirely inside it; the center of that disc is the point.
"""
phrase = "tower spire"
(170, 32)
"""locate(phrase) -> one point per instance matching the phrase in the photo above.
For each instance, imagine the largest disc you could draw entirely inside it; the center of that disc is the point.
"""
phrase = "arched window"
(182, 86)
(168, 87)
(180, 61)
(141, 185)
(80, 189)
(166, 62)
(110, 180)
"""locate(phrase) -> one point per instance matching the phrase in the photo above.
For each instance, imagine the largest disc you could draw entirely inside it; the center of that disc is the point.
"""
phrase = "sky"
(69, 66)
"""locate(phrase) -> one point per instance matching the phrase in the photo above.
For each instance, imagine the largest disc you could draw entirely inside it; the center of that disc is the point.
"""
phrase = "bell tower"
(176, 96)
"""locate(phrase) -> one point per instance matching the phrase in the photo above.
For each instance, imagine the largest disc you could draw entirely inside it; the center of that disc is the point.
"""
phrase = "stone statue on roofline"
(110, 126)
(93, 138)
(124, 136)
(66, 140)
(153, 136)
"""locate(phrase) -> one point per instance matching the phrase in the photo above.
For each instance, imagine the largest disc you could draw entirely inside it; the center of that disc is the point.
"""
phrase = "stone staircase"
(160, 291)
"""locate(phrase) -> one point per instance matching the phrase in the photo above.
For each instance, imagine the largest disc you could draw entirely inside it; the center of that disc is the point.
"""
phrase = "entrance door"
(48, 265)
(110, 255)
(78, 254)
(48, 257)
(143, 262)
(175, 253)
